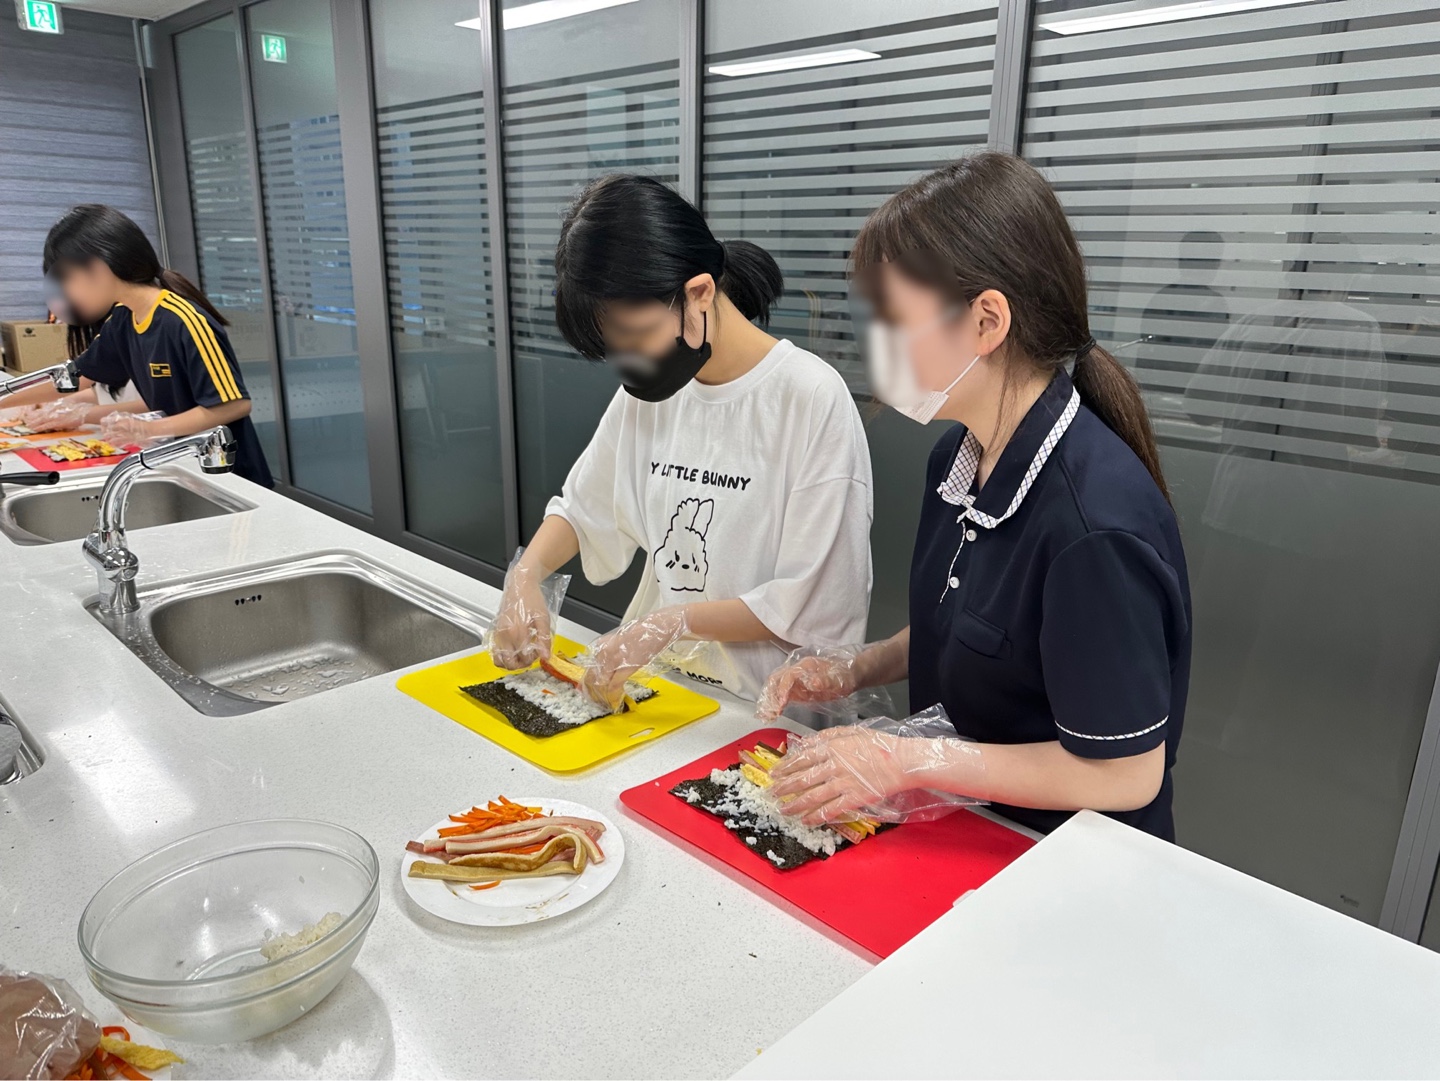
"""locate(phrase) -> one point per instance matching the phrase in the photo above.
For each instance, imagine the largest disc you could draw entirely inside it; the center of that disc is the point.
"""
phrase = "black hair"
(95, 231)
(630, 238)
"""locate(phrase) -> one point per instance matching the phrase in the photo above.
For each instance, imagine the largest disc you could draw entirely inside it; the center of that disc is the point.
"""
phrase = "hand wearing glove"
(122, 429)
(617, 656)
(838, 772)
(57, 416)
(831, 775)
(810, 675)
(521, 633)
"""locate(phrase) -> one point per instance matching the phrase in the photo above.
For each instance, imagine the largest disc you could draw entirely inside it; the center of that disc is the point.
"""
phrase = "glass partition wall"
(1254, 192)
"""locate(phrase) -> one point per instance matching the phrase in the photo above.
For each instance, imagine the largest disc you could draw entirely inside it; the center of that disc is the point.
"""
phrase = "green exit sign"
(272, 48)
(40, 16)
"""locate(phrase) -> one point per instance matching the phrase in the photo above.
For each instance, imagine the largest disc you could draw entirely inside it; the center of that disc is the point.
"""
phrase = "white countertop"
(1103, 952)
(675, 971)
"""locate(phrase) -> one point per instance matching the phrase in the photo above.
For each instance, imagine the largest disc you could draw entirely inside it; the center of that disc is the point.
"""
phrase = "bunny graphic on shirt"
(680, 562)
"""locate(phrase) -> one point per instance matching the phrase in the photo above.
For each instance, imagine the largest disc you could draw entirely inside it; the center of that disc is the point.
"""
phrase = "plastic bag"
(523, 630)
(870, 769)
(817, 687)
(45, 1030)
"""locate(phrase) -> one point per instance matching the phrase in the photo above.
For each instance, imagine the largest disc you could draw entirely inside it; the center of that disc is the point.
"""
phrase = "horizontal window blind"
(1256, 197)
(222, 203)
(303, 185)
(559, 135)
(796, 160)
(433, 201)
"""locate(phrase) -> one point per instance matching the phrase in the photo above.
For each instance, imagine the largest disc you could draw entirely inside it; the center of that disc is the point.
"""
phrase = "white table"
(1103, 952)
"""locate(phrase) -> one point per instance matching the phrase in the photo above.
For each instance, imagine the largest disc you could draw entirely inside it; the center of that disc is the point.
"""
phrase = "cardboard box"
(32, 345)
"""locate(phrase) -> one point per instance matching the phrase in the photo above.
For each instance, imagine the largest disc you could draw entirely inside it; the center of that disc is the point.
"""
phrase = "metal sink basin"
(19, 754)
(66, 511)
(243, 640)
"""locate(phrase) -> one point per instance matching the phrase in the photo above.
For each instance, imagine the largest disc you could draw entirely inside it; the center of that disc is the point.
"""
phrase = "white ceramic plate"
(517, 900)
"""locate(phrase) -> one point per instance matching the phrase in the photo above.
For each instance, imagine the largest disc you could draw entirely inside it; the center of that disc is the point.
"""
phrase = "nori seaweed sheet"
(522, 715)
(781, 850)
(527, 717)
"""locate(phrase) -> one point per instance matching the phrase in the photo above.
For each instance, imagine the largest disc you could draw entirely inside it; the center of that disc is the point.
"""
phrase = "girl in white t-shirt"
(735, 461)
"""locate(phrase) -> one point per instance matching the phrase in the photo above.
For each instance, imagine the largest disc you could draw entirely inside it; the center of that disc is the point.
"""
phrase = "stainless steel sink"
(19, 755)
(243, 640)
(66, 511)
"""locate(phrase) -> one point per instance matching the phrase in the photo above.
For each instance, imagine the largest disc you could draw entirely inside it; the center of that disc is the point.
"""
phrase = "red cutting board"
(45, 465)
(880, 893)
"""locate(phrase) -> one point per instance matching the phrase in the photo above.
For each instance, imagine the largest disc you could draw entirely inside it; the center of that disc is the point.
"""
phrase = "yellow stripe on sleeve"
(208, 347)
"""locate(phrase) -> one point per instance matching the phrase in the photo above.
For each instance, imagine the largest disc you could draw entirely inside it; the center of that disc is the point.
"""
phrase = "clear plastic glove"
(123, 429)
(45, 1030)
(523, 630)
(878, 770)
(643, 644)
(810, 675)
(57, 416)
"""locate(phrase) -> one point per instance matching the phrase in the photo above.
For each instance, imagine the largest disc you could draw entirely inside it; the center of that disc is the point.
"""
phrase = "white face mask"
(892, 373)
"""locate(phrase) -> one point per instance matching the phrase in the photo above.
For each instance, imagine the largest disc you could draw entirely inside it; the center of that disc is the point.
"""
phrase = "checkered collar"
(1020, 462)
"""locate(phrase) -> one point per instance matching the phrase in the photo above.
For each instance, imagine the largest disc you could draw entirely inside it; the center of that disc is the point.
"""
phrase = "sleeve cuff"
(1121, 745)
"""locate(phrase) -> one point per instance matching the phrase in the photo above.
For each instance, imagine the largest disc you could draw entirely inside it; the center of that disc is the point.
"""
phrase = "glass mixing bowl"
(174, 939)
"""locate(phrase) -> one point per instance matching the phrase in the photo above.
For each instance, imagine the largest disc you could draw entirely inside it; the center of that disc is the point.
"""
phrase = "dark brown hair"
(991, 221)
(95, 231)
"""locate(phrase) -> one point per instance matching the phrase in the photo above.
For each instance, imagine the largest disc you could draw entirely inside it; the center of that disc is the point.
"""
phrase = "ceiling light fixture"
(545, 11)
(1170, 13)
(792, 63)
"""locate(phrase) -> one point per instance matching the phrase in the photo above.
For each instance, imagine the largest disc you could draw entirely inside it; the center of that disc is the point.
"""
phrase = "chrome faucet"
(64, 376)
(105, 549)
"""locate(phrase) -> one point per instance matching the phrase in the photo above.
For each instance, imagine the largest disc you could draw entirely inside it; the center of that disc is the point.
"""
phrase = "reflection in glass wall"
(302, 188)
(584, 96)
(796, 159)
(430, 132)
(1255, 195)
(222, 204)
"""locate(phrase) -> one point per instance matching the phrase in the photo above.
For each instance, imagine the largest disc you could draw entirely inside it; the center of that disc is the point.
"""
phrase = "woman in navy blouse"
(1049, 602)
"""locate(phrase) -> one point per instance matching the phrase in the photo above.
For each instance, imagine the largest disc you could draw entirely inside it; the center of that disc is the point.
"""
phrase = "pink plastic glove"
(838, 772)
(57, 416)
(122, 429)
(521, 633)
(617, 656)
(810, 675)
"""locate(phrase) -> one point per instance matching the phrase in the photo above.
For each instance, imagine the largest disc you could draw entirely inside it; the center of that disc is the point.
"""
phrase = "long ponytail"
(95, 231)
(1112, 394)
(991, 221)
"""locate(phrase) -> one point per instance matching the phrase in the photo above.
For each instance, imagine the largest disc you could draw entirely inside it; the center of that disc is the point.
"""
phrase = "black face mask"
(664, 377)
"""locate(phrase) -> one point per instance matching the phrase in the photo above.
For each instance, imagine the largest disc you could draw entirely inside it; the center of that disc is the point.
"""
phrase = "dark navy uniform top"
(177, 358)
(1053, 603)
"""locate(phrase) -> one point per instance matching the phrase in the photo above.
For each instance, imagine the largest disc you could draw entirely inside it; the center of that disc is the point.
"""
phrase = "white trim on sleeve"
(1127, 735)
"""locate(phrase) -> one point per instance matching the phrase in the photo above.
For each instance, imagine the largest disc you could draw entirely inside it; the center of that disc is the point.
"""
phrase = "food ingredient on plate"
(277, 946)
(13, 444)
(506, 841)
(17, 428)
(77, 450)
(116, 1041)
(547, 699)
(740, 797)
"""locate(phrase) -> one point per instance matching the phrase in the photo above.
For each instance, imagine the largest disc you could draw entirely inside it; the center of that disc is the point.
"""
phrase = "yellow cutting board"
(578, 748)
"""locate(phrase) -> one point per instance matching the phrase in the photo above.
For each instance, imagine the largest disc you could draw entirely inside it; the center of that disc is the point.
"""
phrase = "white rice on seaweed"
(565, 702)
(746, 797)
